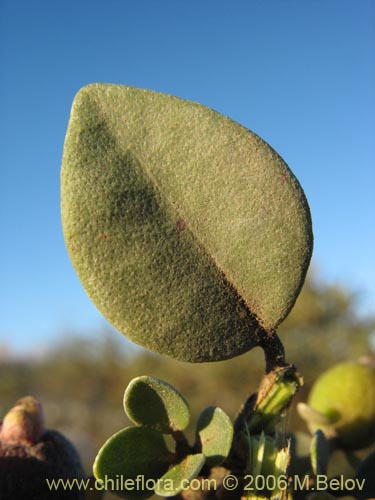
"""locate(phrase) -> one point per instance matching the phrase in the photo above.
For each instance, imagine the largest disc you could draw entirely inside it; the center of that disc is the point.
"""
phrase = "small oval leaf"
(215, 435)
(187, 230)
(319, 453)
(132, 452)
(154, 403)
(179, 476)
(312, 417)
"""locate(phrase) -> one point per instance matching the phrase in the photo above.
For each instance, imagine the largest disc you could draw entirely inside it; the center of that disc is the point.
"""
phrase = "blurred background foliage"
(81, 382)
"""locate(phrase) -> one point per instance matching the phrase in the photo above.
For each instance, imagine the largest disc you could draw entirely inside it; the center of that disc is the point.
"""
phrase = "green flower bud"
(345, 395)
(269, 461)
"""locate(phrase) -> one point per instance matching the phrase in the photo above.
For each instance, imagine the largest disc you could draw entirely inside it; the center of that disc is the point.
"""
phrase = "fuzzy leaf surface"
(154, 403)
(179, 476)
(131, 452)
(215, 434)
(187, 230)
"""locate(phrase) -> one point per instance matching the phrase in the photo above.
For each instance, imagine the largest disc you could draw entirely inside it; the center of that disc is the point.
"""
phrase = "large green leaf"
(187, 230)
(154, 403)
(130, 454)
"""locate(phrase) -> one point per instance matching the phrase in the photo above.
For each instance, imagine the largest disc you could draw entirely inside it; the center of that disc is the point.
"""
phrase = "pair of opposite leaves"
(188, 231)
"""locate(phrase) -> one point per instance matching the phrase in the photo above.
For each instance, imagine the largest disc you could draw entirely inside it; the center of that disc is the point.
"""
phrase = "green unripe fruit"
(345, 394)
(187, 230)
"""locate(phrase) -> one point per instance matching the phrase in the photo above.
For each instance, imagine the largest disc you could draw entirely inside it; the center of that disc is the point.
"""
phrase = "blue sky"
(301, 74)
